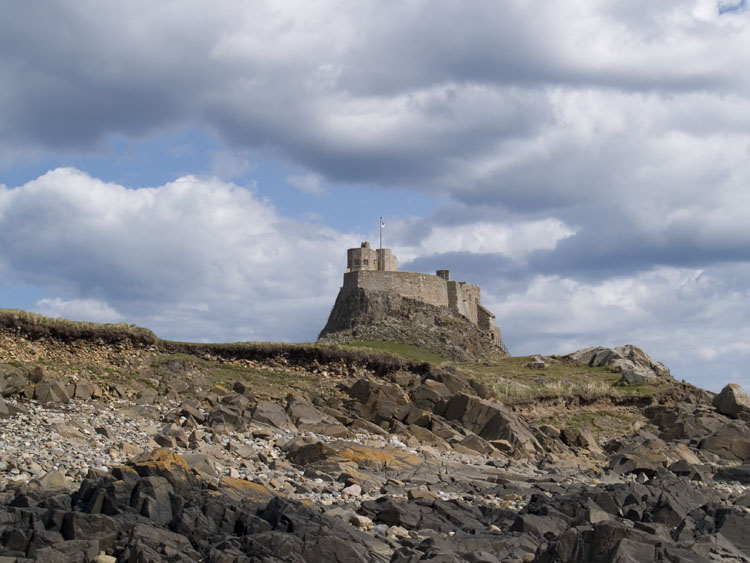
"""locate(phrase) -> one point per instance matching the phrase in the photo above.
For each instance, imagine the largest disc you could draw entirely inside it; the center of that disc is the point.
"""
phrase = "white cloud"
(308, 183)
(694, 320)
(514, 240)
(78, 310)
(195, 256)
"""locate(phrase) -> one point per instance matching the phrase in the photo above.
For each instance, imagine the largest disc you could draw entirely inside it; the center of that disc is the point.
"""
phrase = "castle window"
(356, 262)
(366, 262)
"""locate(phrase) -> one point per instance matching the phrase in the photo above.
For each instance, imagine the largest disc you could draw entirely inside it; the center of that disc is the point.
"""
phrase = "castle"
(377, 271)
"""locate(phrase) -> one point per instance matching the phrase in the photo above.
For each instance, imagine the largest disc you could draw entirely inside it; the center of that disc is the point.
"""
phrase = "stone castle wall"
(463, 298)
(421, 287)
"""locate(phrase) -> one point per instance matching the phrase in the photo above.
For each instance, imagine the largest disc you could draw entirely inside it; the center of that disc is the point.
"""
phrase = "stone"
(227, 417)
(51, 482)
(12, 380)
(352, 490)
(633, 374)
(5, 409)
(165, 463)
(729, 442)
(302, 412)
(477, 444)
(85, 390)
(732, 401)
(740, 473)
(201, 465)
(273, 414)
(151, 498)
(492, 421)
(429, 393)
(247, 490)
(51, 391)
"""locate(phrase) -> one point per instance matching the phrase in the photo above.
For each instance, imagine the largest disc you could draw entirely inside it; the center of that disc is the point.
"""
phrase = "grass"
(216, 372)
(607, 421)
(36, 326)
(511, 380)
(399, 349)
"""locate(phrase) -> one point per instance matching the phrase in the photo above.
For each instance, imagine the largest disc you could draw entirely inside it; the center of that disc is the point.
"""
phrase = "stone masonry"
(376, 271)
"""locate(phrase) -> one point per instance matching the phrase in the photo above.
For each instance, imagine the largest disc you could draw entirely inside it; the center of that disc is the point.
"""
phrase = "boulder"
(51, 390)
(635, 365)
(633, 374)
(431, 392)
(226, 417)
(492, 421)
(164, 463)
(12, 380)
(85, 390)
(732, 401)
(580, 438)
(273, 414)
(381, 402)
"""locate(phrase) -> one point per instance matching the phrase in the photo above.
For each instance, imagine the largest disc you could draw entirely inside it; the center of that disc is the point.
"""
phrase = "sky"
(201, 168)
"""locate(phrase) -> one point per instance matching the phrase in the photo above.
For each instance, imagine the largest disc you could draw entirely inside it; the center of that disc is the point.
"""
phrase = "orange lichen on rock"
(254, 492)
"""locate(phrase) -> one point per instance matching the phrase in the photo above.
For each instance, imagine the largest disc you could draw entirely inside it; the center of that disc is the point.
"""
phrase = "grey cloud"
(201, 251)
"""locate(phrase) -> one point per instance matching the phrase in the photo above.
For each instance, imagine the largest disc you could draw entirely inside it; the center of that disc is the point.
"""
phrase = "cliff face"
(363, 315)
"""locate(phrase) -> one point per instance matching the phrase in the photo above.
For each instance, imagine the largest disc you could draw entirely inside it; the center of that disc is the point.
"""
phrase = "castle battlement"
(377, 271)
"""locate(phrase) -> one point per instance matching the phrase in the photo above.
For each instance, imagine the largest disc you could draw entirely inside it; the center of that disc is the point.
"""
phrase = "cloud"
(588, 158)
(194, 256)
(514, 240)
(691, 319)
(308, 183)
(79, 309)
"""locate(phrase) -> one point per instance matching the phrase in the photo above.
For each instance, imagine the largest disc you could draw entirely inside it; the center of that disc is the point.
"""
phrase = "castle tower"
(365, 258)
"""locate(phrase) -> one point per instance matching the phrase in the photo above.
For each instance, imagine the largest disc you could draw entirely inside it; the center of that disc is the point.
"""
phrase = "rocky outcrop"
(373, 462)
(636, 367)
(361, 315)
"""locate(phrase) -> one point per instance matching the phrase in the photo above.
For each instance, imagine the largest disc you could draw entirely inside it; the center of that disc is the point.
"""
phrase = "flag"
(382, 225)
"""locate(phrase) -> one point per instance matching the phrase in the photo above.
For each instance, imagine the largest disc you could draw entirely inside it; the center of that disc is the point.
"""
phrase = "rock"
(492, 421)
(164, 463)
(429, 393)
(302, 412)
(12, 380)
(381, 402)
(51, 482)
(633, 374)
(729, 442)
(732, 401)
(85, 390)
(635, 365)
(51, 391)
(477, 444)
(201, 465)
(7, 409)
(580, 438)
(740, 473)
(226, 417)
(352, 490)
(272, 414)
